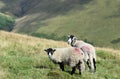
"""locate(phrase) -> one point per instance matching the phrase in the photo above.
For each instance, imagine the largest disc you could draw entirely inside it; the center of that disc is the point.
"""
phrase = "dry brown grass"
(9, 38)
(114, 52)
(2, 73)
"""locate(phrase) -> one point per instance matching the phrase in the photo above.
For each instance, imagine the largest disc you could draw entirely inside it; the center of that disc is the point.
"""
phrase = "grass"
(22, 57)
(1, 5)
(98, 22)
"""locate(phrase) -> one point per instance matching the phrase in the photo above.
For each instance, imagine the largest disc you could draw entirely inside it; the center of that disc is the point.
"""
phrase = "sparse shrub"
(6, 22)
(51, 36)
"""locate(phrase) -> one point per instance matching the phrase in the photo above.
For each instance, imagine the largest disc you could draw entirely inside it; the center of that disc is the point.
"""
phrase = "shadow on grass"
(55, 74)
(42, 67)
(115, 41)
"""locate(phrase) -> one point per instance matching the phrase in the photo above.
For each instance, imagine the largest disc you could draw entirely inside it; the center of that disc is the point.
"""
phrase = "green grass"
(1, 4)
(22, 57)
(98, 23)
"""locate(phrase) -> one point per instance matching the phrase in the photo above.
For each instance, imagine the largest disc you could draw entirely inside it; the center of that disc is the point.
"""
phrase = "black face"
(50, 51)
(71, 37)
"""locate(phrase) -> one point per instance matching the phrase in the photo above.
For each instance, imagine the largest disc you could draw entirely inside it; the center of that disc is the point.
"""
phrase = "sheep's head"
(50, 51)
(71, 40)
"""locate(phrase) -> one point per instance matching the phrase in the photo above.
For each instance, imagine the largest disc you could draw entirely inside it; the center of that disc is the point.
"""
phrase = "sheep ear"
(75, 38)
(54, 50)
(45, 50)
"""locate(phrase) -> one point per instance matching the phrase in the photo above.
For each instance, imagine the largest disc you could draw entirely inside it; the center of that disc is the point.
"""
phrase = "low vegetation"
(6, 22)
(97, 22)
(22, 57)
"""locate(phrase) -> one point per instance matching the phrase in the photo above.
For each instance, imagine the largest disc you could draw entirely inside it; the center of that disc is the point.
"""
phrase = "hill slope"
(94, 20)
(22, 57)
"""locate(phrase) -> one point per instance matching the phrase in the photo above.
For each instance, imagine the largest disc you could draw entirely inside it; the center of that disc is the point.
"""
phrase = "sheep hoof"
(80, 73)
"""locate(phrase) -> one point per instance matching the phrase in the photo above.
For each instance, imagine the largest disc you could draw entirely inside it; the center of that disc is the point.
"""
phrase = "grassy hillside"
(94, 20)
(22, 57)
(98, 22)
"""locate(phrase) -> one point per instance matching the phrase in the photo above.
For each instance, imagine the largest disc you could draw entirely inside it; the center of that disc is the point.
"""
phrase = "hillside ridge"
(16, 36)
(91, 20)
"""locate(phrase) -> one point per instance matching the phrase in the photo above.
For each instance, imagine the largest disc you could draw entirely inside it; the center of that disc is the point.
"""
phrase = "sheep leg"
(61, 66)
(79, 67)
(91, 64)
(73, 70)
(94, 64)
(88, 64)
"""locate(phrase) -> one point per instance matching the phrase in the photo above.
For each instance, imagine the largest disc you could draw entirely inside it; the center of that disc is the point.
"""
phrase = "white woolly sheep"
(71, 56)
(88, 49)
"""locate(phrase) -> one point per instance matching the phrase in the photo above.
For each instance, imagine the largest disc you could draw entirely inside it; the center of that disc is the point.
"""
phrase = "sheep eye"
(52, 53)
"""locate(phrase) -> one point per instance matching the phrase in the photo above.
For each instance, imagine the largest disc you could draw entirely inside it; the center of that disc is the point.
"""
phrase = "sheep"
(71, 56)
(88, 49)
